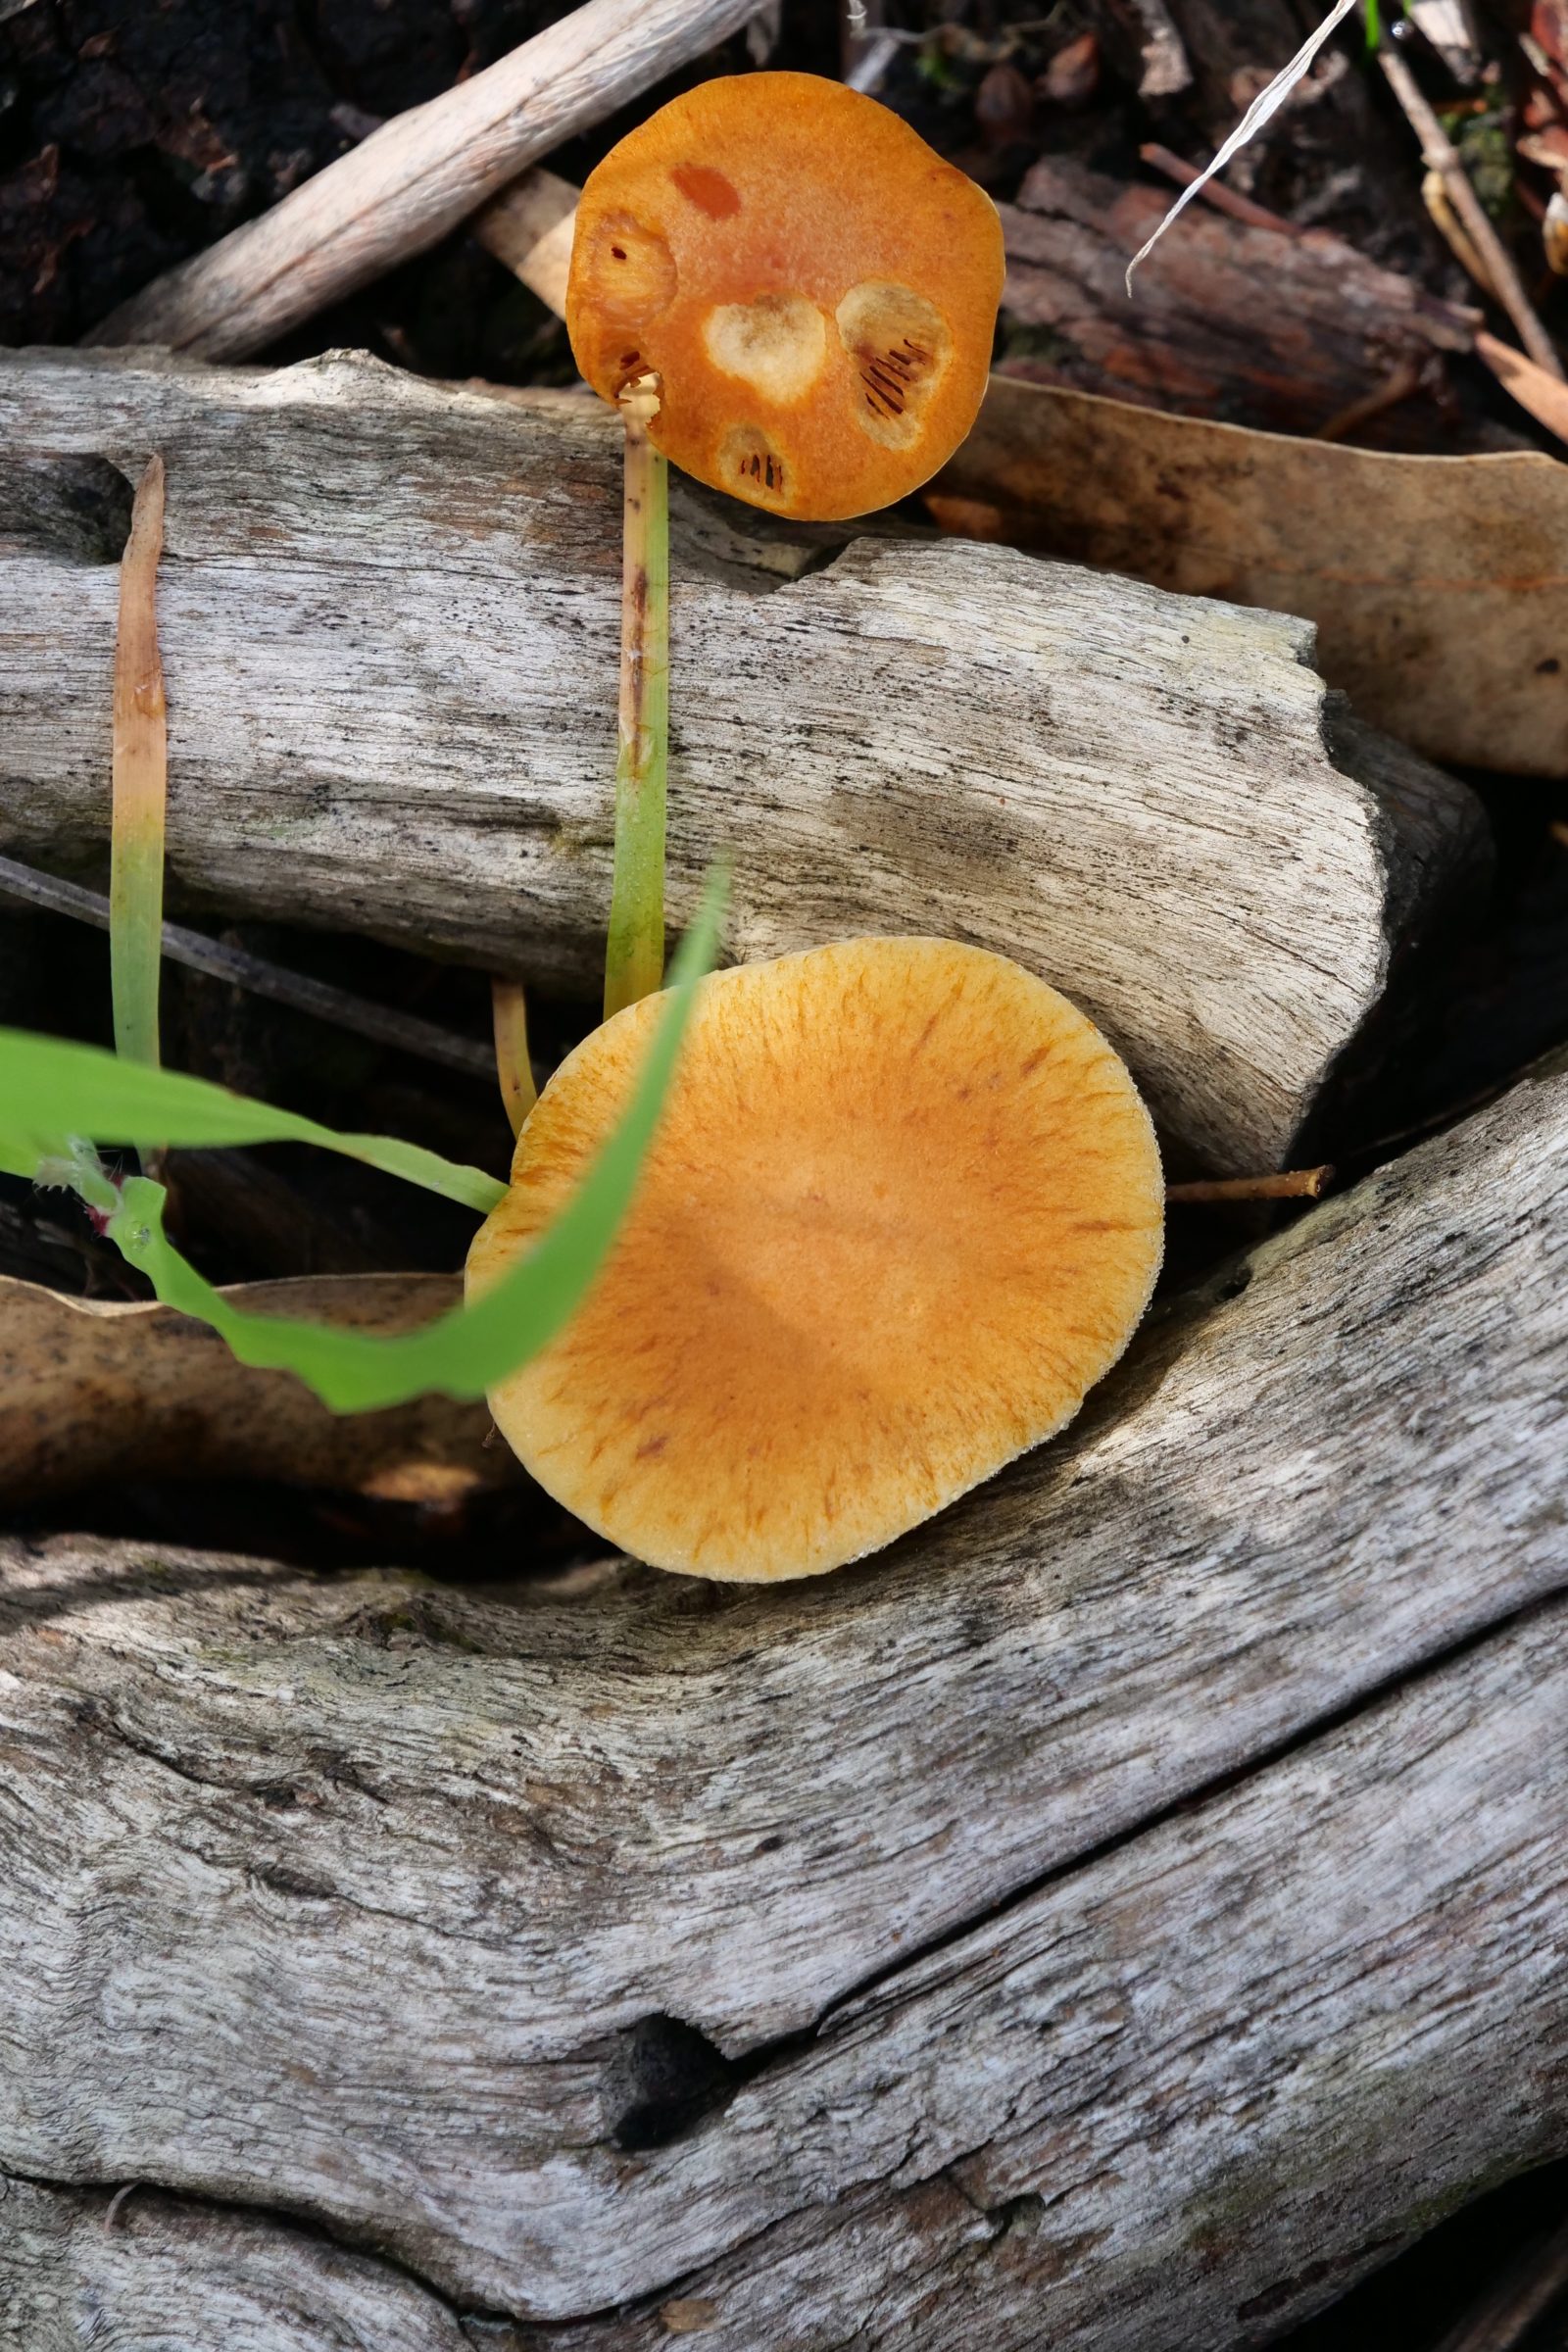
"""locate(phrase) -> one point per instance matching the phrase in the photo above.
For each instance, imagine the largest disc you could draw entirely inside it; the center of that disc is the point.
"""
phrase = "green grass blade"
(469, 1351)
(53, 1091)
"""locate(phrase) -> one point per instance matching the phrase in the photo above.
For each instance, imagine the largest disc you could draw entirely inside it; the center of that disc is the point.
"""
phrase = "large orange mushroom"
(814, 289)
(905, 1208)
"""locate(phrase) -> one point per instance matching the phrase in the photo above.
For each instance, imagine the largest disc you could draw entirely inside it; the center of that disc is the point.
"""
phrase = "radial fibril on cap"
(904, 1209)
(815, 286)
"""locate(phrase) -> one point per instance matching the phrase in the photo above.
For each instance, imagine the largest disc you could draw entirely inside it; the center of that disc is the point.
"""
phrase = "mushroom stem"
(634, 958)
(1289, 1184)
(510, 1012)
(139, 769)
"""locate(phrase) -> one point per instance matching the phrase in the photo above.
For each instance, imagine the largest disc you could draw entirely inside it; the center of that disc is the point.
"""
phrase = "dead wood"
(836, 1950)
(390, 620)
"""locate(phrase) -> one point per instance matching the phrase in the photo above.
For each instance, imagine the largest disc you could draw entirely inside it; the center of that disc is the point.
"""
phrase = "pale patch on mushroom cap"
(816, 287)
(904, 1209)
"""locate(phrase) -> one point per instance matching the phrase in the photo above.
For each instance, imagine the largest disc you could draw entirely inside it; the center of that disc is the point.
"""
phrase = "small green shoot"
(1374, 21)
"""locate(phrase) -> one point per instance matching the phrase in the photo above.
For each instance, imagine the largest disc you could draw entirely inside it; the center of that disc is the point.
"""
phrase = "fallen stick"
(405, 186)
(1506, 2314)
(1215, 192)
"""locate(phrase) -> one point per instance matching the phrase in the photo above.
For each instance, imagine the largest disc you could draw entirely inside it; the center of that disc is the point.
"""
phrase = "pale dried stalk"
(510, 1009)
(140, 782)
(1263, 108)
(634, 958)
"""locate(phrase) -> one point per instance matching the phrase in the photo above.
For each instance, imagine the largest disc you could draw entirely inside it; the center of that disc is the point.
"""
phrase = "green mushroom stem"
(634, 957)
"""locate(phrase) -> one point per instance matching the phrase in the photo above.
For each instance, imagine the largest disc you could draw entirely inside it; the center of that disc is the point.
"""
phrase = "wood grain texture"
(525, 1939)
(390, 624)
(183, 2277)
(1188, 2094)
(402, 189)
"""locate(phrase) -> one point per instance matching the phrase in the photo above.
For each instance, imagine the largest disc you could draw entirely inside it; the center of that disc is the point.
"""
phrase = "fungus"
(813, 286)
(904, 1209)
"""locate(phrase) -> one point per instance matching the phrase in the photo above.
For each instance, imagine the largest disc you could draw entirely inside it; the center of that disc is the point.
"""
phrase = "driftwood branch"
(390, 624)
(840, 1952)
(412, 180)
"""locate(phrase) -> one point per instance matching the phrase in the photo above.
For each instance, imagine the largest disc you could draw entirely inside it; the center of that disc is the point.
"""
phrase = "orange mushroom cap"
(903, 1209)
(814, 287)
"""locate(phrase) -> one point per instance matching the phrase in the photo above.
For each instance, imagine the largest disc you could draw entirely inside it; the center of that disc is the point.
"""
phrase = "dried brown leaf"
(92, 1390)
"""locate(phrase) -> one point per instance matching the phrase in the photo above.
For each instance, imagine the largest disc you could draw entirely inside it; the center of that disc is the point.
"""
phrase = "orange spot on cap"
(708, 189)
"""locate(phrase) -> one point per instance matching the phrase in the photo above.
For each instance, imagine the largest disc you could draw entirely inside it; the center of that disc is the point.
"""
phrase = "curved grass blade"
(469, 1351)
(53, 1092)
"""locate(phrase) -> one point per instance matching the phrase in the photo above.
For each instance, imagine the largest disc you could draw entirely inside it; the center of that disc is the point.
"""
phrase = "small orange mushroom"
(904, 1209)
(814, 288)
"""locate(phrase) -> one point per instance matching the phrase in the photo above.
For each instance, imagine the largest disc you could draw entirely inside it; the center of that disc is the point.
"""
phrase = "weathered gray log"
(585, 1954)
(390, 622)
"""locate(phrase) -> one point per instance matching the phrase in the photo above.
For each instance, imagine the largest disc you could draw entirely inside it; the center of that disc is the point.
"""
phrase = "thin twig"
(1216, 193)
(529, 229)
(1289, 1184)
(1442, 155)
(509, 1013)
(1439, 211)
(140, 781)
(403, 1030)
